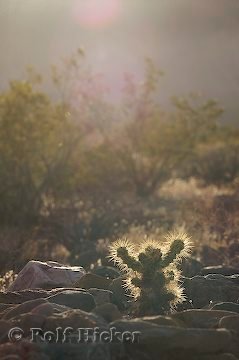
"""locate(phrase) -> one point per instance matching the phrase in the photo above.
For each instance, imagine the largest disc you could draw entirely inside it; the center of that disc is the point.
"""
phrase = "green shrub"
(218, 164)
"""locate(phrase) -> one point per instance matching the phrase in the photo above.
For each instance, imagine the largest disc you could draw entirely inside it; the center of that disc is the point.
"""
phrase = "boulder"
(106, 271)
(165, 339)
(22, 350)
(49, 308)
(109, 312)
(74, 299)
(89, 280)
(45, 309)
(223, 270)
(49, 274)
(189, 340)
(28, 321)
(101, 296)
(200, 318)
(120, 296)
(3, 312)
(215, 357)
(18, 297)
(75, 319)
(5, 326)
(24, 308)
(162, 320)
(203, 290)
(230, 322)
(94, 351)
(227, 306)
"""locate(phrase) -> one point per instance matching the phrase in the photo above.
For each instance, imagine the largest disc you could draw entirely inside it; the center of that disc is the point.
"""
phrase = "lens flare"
(94, 14)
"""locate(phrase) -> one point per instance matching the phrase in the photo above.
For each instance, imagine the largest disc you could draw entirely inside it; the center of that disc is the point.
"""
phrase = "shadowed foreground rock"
(210, 331)
(203, 290)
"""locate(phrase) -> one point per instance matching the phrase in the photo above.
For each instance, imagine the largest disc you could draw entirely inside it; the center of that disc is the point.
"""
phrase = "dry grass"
(6, 280)
(209, 215)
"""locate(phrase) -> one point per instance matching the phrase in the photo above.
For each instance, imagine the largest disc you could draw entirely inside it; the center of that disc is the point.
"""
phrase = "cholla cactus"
(151, 270)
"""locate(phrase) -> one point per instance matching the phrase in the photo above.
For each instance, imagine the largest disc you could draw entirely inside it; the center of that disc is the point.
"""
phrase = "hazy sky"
(196, 42)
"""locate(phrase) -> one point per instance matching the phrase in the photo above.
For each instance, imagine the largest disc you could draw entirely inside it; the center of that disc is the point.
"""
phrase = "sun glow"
(95, 14)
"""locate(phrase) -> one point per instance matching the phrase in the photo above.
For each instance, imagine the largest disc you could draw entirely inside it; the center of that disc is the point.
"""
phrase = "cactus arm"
(129, 260)
(175, 249)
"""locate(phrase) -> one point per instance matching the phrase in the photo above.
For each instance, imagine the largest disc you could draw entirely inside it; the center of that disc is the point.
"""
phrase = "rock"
(202, 291)
(5, 326)
(136, 324)
(74, 299)
(97, 351)
(200, 318)
(23, 308)
(161, 339)
(46, 309)
(59, 290)
(28, 321)
(109, 312)
(221, 277)
(18, 297)
(75, 319)
(4, 307)
(49, 308)
(93, 281)
(230, 323)
(106, 271)
(22, 350)
(227, 306)
(120, 297)
(223, 270)
(191, 340)
(101, 296)
(161, 320)
(216, 357)
(234, 278)
(49, 274)
(10, 307)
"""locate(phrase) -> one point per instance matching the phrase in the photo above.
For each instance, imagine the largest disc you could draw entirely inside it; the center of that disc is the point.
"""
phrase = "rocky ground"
(205, 327)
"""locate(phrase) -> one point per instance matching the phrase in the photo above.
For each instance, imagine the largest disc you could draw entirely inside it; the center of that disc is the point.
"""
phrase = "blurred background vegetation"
(78, 170)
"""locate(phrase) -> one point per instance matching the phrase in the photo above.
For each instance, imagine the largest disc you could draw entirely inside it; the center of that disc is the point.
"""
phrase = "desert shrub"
(157, 145)
(152, 273)
(147, 146)
(7, 279)
(36, 140)
(212, 144)
(218, 164)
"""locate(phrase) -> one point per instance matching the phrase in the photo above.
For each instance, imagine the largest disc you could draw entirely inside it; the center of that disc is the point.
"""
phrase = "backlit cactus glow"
(151, 270)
